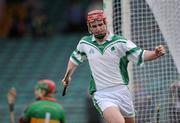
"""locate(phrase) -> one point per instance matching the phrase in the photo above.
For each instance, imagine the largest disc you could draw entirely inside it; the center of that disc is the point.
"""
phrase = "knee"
(120, 120)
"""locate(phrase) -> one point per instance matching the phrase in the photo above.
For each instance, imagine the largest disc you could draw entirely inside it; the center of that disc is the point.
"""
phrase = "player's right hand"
(65, 81)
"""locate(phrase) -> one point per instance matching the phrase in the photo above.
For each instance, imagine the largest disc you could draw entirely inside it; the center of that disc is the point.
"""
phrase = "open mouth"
(100, 36)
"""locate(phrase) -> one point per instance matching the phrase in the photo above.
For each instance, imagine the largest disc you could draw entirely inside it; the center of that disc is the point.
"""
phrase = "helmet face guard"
(47, 85)
(95, 15)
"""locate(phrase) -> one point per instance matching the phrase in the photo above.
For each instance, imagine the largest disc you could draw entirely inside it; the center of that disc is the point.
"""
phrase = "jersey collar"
(109, 38)
(48, 98)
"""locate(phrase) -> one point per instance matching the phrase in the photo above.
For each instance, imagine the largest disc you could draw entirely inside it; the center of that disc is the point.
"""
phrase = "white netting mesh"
(167, 15)
(154, 22)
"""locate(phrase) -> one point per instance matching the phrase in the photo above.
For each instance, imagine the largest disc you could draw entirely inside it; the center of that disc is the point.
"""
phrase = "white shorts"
(118, 96)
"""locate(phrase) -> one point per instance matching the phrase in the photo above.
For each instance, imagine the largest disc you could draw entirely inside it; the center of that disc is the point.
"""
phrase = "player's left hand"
(160, 50)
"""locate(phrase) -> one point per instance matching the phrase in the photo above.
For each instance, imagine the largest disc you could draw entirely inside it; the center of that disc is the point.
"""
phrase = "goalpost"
(150, 23)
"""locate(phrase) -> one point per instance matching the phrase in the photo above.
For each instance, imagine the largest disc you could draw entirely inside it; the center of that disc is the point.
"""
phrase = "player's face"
(38, 93)
(98, 28)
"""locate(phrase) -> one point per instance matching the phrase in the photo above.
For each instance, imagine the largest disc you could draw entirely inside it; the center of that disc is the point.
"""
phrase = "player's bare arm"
(70, 70)
(151, 55)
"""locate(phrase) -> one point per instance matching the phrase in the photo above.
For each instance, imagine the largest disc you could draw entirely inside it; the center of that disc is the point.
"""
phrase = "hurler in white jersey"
(108, 55)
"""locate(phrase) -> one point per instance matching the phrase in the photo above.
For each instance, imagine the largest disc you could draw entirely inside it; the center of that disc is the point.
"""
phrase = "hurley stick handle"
(66, 79)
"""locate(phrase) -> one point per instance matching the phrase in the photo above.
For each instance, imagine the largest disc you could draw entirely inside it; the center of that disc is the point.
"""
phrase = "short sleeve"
(133, 53)
(78, 55)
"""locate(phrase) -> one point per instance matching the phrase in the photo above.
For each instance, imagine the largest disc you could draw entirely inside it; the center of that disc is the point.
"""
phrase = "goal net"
(156, 85)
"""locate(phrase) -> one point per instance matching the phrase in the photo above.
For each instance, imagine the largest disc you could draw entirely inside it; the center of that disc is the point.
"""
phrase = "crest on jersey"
(91, 51)
(113, 49)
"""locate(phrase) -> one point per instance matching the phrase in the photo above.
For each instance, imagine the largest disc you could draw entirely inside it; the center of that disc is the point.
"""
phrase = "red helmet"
(48, 85)
(96, 15)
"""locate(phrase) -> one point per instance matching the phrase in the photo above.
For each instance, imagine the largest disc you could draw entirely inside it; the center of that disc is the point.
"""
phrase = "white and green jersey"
(108, 61)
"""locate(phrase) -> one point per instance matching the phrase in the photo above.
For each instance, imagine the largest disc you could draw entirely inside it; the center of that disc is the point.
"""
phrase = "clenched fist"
(160, 50)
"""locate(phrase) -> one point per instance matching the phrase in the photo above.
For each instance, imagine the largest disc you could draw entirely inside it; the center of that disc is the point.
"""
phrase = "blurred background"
(36, 40)
(38, 36)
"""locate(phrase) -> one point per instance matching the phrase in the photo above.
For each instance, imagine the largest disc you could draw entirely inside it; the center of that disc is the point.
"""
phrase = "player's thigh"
(113, 115)
(130, 120)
